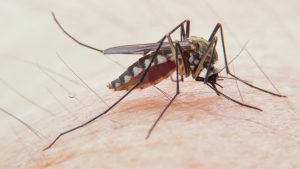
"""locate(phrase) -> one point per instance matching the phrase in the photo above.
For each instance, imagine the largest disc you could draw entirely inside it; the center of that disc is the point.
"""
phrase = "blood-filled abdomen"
(162, 67)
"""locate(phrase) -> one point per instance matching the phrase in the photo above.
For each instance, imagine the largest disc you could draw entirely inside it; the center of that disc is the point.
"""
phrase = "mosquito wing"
(143, 48)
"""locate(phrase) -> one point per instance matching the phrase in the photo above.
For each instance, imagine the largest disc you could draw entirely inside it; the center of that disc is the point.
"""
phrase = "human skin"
(199, 130)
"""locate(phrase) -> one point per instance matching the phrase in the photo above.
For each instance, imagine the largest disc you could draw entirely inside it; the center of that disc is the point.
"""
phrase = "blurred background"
(29, 36)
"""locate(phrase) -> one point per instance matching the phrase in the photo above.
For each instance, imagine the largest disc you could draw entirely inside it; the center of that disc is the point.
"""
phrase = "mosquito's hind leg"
(219, 26)
(175, 54)
(107, 110)
(82, 44)
(140, 81)
(99, 50)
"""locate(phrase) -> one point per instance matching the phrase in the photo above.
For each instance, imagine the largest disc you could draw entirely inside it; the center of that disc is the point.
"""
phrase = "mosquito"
(187, 57)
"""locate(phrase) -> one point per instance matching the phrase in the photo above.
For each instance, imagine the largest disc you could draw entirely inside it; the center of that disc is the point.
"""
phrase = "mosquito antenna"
(230, 78)
(222, 77)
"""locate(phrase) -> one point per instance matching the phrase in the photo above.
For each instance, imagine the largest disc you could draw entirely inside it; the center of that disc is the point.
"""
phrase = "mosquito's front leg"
(263, 90)
(219, 26)
(200, 65)
(213, 34)
(210, 61)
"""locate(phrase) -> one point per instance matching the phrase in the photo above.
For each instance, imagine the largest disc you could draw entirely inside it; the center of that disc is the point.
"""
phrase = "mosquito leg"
(242, 104)
(187, 28)
(186, 69)
(278, 95)
(185, 64)
(82, 44)
(177, 92)
(178, 26)
(185, 34)
(73, 37)
(210, 61)
(107, 110)
(174, 51)
(200, 65)
(182, 33)
(219, 26)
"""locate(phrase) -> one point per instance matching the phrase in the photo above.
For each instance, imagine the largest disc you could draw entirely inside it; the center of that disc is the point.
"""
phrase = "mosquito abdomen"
(162, 67)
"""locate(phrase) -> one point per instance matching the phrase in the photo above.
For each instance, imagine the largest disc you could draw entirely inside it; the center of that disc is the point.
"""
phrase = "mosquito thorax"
(199, 47)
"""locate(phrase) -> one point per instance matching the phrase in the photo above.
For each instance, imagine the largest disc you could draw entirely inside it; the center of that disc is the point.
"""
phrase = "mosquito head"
(213, 74)
(213, 70)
